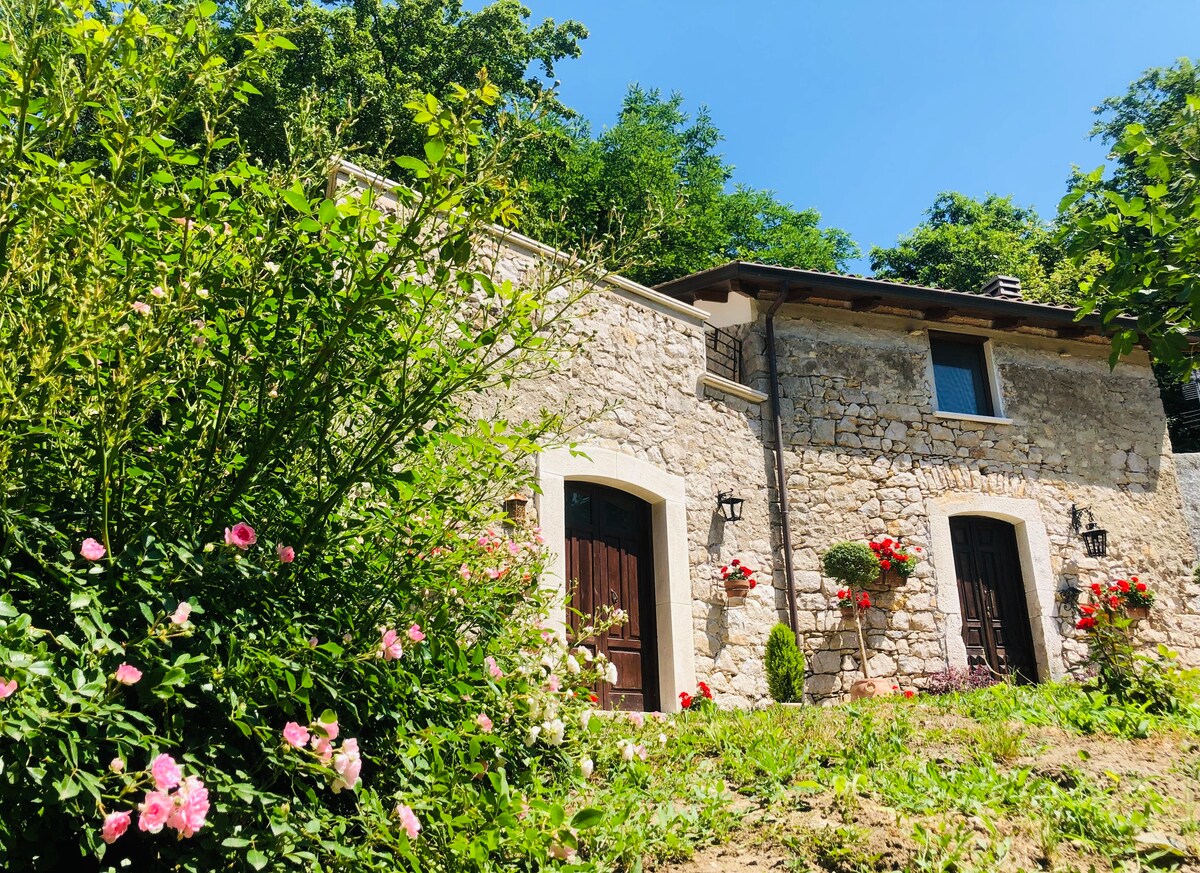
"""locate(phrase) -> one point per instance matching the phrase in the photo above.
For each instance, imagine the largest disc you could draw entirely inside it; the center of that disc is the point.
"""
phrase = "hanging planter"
(1131, 595)
(896, 562)
(738, 579)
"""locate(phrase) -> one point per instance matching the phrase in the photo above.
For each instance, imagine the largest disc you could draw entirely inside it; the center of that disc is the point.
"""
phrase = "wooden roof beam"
(865, 304)
(937, 313)
(1007, 322)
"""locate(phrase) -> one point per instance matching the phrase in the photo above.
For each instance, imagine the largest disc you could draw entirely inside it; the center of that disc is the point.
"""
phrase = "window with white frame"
(962, 374)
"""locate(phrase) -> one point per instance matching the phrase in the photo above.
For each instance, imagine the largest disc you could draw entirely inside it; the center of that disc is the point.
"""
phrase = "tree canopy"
(657, 178)
(965, 242)
(356, 63)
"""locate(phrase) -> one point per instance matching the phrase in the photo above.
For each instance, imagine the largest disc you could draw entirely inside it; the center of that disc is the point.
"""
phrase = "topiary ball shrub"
(785, 666)
(851, 563)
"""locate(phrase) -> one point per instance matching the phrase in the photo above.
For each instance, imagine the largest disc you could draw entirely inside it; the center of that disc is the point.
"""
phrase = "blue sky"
(865, 110)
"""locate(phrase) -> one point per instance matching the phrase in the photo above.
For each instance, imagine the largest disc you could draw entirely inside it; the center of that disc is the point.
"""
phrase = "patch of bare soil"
(814, 832)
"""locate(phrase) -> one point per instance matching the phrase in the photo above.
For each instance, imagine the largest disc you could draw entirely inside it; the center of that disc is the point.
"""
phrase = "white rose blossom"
(586, 767)
(553, 732)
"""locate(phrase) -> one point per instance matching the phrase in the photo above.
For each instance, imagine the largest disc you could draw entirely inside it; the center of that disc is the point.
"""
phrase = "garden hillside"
(1006, 778)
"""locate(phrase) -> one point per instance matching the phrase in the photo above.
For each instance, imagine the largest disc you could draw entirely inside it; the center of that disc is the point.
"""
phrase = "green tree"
(193, 343)
(358, 62)
(656, 176)
(1154, 101)
(1148, 238)
(965, 242)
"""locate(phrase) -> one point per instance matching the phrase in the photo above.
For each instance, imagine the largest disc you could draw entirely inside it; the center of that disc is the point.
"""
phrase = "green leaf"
(256, 859)
(435, 149)
(588, 817)
(297, 200)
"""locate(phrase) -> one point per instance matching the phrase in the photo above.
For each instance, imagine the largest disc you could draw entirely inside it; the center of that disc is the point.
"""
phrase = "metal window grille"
(724, 354)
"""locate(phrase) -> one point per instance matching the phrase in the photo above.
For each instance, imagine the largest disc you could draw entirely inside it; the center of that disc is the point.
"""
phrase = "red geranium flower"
(753, 583)
(910, 693)
(704, 689)
(1087, 609)
(1086, 623)
(685, 700)
(735, 563)
(1141, 586)
(593, 698)
(1122, 585)
(885, 564)
(1113, 601)
(1096, 589)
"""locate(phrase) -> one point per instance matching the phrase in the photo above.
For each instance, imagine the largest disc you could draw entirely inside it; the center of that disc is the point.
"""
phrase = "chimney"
(1004, 287)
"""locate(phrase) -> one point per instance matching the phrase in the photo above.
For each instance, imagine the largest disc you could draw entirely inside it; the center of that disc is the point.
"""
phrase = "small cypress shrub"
(785, 666)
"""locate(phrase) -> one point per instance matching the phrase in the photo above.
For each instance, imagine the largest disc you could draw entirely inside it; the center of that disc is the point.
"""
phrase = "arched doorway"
(609, 561)
(995, 613)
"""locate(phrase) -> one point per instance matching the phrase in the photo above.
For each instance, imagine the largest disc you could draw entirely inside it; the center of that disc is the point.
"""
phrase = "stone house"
(968, 425)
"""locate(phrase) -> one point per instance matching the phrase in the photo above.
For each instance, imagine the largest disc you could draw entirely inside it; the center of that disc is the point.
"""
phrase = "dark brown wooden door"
(610, 563)
(992, 595)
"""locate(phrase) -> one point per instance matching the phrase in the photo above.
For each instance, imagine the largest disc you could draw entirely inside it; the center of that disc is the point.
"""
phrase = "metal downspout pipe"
(780, 472)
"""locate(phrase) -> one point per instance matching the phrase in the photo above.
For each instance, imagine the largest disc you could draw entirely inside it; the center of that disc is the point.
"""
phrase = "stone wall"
(867, 455)
(1187, 467)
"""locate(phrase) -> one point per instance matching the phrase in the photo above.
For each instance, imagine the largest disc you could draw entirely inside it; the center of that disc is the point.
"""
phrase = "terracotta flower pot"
(1137, 613)
(864, 688)
(736, 588)
(847, 612)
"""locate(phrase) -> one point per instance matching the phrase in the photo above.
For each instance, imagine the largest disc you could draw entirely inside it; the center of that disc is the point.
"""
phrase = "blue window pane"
(960, 376)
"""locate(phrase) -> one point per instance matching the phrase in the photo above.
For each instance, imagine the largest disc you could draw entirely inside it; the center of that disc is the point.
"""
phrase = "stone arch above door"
(672, 581)
(1033, 546)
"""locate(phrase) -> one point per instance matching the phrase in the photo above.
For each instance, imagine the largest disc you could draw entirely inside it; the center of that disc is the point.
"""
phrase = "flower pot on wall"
(736, 589)
(1137, 613)
(865, 688)
(847, 612)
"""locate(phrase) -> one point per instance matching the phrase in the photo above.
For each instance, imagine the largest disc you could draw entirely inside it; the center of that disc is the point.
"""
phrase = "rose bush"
(257, 610)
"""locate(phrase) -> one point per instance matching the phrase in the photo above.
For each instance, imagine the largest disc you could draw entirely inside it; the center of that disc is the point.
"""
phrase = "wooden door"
(609, 562)
(991, 592)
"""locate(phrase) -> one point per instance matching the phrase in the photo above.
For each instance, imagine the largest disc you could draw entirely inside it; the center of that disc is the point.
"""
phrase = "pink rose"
(7, 689)
(327, 729)
(322, 748)
(116, 765)
(240, 535)
(166, 772)
(552, 683)
(115, 824)
(286, 553)
(346, 763)
(493, 668)
(191, 807)
(182, 611)
(485, 723)
(295, 736)
(154, 811)
(408, 821)
(415, 634)
(389, 646)
(465, 572)
(141, 308)
(92, 550)
(127, 675)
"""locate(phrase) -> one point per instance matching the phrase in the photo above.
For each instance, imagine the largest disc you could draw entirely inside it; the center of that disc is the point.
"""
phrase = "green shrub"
(245, 486)
(852, 563)
(785, 666)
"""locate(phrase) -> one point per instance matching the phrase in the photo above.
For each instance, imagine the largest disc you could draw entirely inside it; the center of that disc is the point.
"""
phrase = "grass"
(1005, 778)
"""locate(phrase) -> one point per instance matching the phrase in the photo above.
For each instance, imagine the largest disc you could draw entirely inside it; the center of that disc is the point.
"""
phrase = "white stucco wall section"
(1037, 572)
(672, 582)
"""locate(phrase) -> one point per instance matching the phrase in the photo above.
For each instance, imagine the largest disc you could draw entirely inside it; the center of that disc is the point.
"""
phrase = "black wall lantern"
(729, 506)
(1095, 539)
